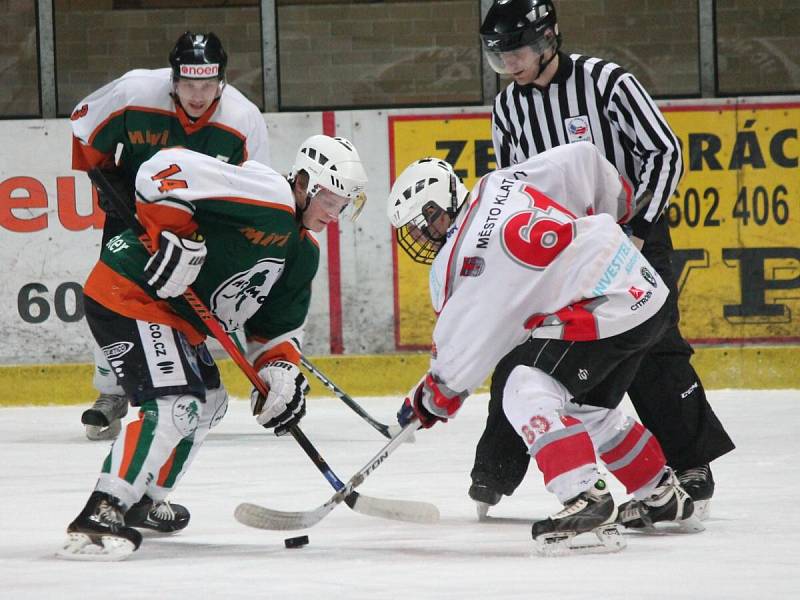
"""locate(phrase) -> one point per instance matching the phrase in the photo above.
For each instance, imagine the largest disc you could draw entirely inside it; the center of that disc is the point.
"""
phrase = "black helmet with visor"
(511, 25)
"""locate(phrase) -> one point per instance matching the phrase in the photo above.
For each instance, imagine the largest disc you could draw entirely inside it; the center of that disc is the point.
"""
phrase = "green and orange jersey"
(260, 262)
(138, 111)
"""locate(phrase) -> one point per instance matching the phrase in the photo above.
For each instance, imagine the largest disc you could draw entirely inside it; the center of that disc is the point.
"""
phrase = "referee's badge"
(578, 129)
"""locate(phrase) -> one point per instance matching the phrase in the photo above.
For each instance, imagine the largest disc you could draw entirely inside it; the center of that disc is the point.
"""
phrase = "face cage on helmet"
(494, 56)
(420, 251)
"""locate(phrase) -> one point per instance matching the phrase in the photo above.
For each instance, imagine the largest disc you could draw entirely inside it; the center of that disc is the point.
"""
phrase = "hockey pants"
(153, 452)
(563, 437)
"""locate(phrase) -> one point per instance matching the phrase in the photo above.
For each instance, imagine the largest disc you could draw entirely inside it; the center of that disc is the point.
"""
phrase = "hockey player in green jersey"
(243, 239)
(188, 104)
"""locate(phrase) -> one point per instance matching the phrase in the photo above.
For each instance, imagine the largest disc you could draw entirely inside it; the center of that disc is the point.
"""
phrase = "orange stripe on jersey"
(252, 202)
(233, 132)
(157, 217)
(85, 157)
(283, 351)
(133, 432)
(190, 126)
(306, 234)
(164, 472)
(126, 298)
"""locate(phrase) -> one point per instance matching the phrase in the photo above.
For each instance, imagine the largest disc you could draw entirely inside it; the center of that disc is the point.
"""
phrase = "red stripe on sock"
(626, 445)
(644, 467)
(563, 455)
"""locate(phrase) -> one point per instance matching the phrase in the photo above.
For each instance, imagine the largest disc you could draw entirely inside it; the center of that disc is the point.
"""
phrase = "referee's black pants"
(666, 392)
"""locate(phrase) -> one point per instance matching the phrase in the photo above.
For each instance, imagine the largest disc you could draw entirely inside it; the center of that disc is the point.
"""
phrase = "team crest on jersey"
(578, 129)
(240, 296)
(186, 415)
(648, 276)
(473, 266)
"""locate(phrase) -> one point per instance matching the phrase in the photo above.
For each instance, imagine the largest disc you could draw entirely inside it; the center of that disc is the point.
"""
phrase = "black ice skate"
(484, 497)
(669, 504)
(103, 420)
(699, 484)
(99, 532)
(163, 516)
(590, 511)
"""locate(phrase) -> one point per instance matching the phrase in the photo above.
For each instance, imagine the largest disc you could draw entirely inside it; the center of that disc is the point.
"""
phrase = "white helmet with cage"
(423, 191)
(332, 163)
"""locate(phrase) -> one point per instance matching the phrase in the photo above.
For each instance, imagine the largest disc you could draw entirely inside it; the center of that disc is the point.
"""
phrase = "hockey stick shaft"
(210, 321)
(385, 430)
(261, 517)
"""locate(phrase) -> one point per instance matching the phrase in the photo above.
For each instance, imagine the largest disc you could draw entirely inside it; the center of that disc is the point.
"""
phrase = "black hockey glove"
(124, 188)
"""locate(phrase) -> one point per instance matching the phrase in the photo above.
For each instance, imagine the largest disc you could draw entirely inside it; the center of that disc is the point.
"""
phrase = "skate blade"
(482, 510)
(79, 546)
(690, 525)
(702, 508)
(98, 433)
(601, 540)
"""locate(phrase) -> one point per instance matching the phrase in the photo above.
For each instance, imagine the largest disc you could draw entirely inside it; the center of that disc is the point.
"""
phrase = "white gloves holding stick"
(285, 404)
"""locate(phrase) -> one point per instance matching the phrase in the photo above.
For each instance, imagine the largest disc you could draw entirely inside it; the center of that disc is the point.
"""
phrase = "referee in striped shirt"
(558, 99)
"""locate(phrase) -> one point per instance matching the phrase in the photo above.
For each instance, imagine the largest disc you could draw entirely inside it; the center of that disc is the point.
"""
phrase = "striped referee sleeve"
(649, 136)
(501, 139)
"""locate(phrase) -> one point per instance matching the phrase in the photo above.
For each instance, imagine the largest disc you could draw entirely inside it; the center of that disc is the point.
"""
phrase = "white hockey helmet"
(332, 163)
(425, 189)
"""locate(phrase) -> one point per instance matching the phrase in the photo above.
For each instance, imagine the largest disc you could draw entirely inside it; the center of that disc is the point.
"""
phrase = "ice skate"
(163, 516)
(699, 484)
(103, 420)
(668, 504)
(99, 532)
(484, 497)
(590, 512)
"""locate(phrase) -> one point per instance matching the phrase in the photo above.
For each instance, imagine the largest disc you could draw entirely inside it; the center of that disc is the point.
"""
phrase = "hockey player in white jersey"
(535, 258)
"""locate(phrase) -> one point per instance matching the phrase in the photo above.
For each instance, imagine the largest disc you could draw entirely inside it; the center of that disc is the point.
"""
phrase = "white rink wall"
(46, 254)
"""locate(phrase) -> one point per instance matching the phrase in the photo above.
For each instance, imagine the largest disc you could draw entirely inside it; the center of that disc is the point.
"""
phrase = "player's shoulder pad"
(189, 175)
(150, 88)
(236, 111)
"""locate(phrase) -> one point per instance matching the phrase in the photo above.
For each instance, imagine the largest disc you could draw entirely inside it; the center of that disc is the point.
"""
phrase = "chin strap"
(300, 211)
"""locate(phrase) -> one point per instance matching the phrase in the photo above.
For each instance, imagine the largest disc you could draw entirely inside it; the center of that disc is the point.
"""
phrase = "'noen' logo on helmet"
(200, 71)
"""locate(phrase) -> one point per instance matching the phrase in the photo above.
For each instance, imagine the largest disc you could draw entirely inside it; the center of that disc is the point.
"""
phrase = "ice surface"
(750, 549)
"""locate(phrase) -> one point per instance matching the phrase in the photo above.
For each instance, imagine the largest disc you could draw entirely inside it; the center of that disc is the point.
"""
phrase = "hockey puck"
(296, 542)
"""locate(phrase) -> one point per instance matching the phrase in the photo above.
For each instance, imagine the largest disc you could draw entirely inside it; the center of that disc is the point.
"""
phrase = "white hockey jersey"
(137, 110)
(537, 251)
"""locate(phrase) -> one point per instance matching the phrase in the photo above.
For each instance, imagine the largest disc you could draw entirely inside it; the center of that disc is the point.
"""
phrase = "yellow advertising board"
(735, 218)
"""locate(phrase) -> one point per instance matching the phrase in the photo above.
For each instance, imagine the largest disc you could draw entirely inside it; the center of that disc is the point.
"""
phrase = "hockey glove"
(122, 185)
(285, 404)
(430, 401)
(176, 264)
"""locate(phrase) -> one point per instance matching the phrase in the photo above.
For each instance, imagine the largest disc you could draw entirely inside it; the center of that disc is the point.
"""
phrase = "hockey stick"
(261, 517)
(388, 431)
(209, 320)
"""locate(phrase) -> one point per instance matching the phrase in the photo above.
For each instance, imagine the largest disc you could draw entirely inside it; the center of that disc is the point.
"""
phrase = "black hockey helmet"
(198, 56)
(512, 24)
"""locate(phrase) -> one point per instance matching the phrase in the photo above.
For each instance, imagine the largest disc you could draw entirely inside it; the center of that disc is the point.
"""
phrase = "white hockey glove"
(176, 264)
(285, 404)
